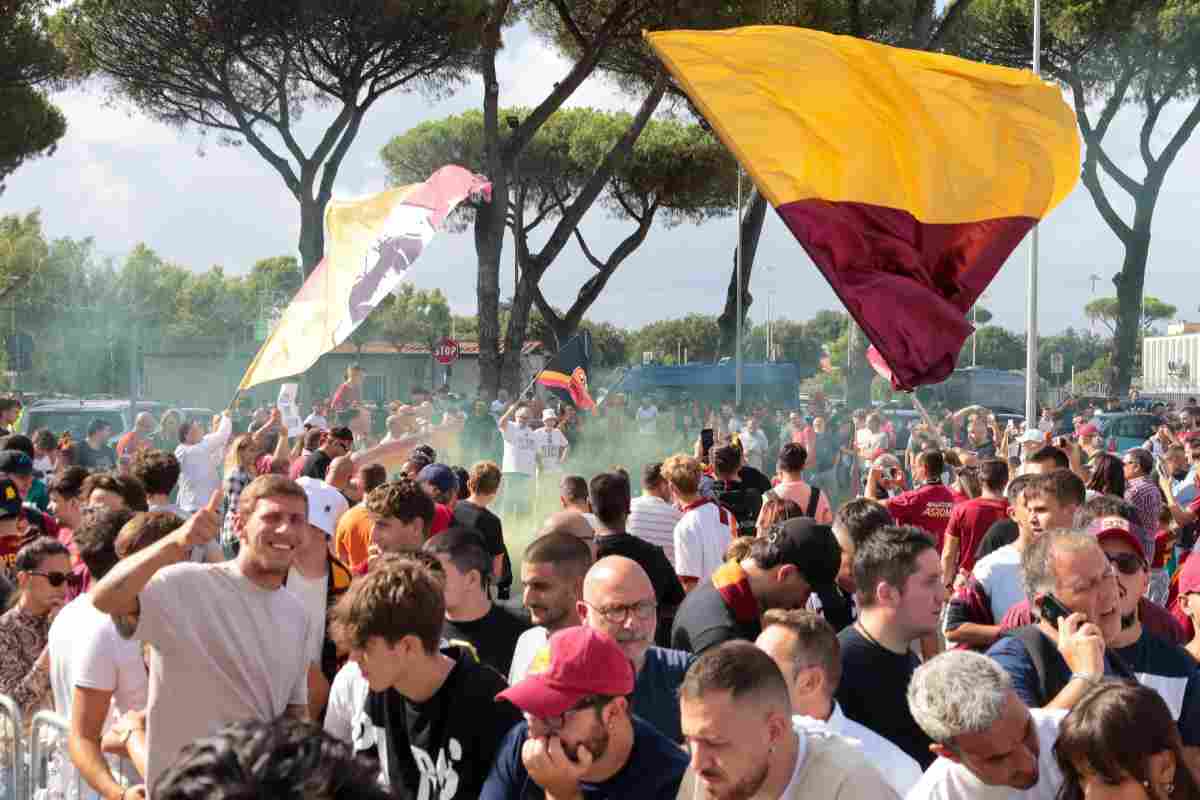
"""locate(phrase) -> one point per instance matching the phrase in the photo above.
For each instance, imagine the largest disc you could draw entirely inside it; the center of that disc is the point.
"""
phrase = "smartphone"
(1053, 610)
(706, 439)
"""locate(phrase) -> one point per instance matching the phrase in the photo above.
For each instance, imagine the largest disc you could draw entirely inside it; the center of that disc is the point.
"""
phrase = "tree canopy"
(30, 62)
(249, 72)
(1107, 311)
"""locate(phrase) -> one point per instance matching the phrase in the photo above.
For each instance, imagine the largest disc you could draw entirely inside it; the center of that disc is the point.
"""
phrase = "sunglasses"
(1126, 563)
(55, 579)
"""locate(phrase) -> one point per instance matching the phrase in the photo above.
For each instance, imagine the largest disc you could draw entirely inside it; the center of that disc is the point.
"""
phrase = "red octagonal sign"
(446, 351)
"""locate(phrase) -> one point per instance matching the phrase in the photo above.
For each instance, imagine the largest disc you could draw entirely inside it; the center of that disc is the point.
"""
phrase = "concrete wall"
(208, 380)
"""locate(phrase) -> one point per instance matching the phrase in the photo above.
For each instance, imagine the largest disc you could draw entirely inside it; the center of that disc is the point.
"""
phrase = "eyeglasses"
(1126, 563)
(616, 615)
(55, 579)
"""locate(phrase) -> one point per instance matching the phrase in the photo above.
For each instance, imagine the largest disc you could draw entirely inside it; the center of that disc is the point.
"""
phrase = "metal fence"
(50, 775)
(35, 763)
(12, 751)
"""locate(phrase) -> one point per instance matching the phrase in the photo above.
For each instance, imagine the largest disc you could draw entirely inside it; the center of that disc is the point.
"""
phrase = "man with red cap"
(579, 737)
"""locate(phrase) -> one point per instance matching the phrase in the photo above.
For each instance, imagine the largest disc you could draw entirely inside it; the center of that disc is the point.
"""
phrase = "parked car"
(76, 415)
(1125, 430)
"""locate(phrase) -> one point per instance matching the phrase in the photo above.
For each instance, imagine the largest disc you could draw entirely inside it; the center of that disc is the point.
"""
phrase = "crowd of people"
(790, 605)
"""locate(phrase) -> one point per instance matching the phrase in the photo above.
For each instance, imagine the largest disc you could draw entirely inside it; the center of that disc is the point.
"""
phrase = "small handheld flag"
(567, 373)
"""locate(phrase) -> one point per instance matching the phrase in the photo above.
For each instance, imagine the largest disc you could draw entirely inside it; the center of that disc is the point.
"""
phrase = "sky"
(125, 179)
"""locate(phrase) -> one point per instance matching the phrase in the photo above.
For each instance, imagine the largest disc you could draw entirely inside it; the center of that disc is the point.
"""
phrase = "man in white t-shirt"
(552, 445)
(317, 418)
(997, 582)
(704, 530)
(228, 643)
(754, 444)
(309, 576)
(552, 573)
(805, 647)
(93, 671)
(990, 745)
(520, 458)
(647, 417)
(652, 517)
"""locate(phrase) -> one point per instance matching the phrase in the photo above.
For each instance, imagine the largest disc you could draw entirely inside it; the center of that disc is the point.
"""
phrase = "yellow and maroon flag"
(908, 177)
(370, 247)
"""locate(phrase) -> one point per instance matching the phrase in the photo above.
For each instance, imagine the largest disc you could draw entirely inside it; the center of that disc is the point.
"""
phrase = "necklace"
(866, 635)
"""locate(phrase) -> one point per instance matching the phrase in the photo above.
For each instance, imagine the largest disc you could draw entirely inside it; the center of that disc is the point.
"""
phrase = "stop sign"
(446, 351)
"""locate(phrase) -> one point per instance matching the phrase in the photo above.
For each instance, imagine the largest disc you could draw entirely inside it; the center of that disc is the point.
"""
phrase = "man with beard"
(229, 643)
(737, 718)
(552, 574)
(580, 737)
(990, 745)
(618, 599)
(795, 561)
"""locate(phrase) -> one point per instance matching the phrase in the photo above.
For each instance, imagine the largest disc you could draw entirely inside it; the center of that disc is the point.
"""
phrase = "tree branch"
(950, 18)
(1094, 137)
(1171, 151)
(567, 86)
(568, 21)
(587, 251)
(591, 190)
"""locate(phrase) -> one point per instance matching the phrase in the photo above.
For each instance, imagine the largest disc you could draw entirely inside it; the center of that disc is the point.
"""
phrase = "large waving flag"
(567, 373)
(370, 246)
(909, 177)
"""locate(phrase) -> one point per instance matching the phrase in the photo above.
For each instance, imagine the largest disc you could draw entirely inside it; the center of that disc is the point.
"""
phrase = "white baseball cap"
(549, 414)
(325, 504)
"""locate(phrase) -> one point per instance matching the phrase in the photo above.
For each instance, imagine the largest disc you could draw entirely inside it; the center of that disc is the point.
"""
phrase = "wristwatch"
(1087, 677)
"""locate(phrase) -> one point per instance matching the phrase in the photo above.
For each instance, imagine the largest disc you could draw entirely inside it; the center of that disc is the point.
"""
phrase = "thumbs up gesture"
(203, 526)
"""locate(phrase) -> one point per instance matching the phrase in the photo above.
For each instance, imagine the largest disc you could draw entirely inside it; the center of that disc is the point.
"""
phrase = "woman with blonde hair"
(239, 471)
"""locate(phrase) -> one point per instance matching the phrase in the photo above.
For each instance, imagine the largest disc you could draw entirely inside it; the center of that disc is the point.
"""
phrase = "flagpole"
(738, 337)
(1031, 311)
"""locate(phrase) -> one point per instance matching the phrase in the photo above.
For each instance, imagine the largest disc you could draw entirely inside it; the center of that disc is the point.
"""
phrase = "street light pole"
(1031, 326)
(738, 337)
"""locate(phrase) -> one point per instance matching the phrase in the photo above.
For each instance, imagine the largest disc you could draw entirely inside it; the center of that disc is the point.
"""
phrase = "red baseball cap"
(576, 663)
(1116, 528)
(1087, 430)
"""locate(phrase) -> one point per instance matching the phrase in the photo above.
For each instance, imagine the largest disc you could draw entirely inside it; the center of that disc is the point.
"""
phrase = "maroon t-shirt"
(969, 522)
(928, 507)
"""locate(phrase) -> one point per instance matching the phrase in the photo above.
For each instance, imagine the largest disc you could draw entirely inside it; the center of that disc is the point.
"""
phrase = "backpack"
(1052, 671)
(741, 501)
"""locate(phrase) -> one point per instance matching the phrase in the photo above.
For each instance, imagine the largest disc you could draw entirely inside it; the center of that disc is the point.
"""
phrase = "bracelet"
(1088, 677)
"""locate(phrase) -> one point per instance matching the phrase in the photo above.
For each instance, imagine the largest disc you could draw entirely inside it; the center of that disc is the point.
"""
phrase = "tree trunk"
(859, 374)
(514, 337)
(489, 247)
(751, 231)
(312, 232)
(1130, 283)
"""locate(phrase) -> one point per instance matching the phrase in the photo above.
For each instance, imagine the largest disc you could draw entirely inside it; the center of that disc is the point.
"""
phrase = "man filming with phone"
(1072, 587)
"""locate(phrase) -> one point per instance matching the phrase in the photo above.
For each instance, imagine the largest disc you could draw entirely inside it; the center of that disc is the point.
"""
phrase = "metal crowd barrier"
(12, 751)
(35, 763)
(50, 775)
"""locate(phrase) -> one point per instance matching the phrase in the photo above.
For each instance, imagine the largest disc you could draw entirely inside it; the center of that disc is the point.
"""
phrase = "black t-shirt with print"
(494, 636)
(443, 748)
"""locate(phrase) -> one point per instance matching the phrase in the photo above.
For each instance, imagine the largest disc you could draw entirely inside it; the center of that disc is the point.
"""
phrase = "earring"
(1170, 788)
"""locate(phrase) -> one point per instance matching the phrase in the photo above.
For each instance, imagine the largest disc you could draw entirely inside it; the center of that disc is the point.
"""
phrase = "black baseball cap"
(10, 499)
(808, 546)
(15, 462)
